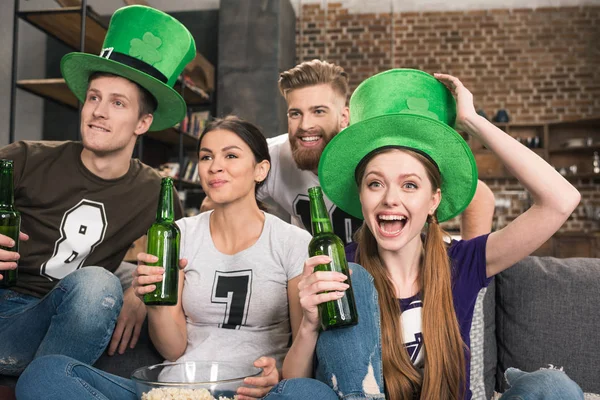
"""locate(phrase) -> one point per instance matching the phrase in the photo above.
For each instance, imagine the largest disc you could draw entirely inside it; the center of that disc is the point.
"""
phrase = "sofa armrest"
(547, 313)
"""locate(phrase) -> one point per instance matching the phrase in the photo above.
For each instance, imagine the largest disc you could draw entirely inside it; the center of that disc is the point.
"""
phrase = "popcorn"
(181, 394)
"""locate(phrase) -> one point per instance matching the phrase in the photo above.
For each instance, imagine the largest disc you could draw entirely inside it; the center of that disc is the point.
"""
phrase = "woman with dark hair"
(402, 168)
(238, 291)
(248, 133)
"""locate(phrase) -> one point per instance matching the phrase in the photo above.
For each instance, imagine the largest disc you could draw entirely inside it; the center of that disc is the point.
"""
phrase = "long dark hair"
(444, 364)
(250, 134)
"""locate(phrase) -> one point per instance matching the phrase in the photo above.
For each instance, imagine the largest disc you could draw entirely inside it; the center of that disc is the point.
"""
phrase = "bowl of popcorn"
(191, 380)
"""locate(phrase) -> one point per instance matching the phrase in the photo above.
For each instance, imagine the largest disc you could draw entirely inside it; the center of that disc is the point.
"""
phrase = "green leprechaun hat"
(402, 108)
(146, 46)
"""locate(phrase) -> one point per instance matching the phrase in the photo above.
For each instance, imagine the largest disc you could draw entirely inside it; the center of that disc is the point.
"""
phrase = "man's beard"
(307, 159)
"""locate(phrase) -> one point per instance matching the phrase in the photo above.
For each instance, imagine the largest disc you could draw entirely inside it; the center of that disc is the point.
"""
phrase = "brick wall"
(541, 65)
(514, 200)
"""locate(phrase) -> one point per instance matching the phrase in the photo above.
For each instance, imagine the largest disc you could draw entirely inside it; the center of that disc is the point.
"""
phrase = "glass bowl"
(218, 378)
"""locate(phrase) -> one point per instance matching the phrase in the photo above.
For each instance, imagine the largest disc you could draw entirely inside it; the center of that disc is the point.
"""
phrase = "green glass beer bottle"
(163, 242)
(341, 312)
(10, 219)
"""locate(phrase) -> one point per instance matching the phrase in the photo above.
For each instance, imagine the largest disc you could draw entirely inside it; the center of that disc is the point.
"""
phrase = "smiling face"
(315, 115)
(110, 118)
(397, 195)
(227, 167)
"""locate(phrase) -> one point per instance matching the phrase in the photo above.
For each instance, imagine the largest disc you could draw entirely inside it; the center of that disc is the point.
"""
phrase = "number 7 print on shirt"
(233, 289)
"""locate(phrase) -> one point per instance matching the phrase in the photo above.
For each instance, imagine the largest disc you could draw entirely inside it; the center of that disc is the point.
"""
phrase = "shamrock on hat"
(146, 46)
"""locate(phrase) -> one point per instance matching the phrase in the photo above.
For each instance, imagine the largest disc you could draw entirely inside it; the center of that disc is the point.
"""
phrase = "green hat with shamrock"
(402, 108)
(147, 47)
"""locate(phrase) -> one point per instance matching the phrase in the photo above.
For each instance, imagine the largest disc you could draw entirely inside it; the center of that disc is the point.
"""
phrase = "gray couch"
(541, 311)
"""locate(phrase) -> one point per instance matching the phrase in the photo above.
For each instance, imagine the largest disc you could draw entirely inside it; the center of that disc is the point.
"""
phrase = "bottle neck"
(7, 200)
(165, 212)
(319, 217)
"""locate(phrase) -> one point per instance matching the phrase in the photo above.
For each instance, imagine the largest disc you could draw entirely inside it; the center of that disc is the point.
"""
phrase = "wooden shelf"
(580, 149)
(56, 89)
(539, 151)
(582, 176)
(64, 24)
(52, 89)
(592, 121)
(519, 124)
(489, 177)
(193, 96)
(172, 136)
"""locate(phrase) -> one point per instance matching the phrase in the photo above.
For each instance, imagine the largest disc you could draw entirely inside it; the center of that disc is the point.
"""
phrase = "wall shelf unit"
(173, 136)
(64, 24)
(56, 89)
(196, 84)
(551, 141)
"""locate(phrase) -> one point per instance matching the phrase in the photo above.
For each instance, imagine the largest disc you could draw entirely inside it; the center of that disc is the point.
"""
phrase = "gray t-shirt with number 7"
(236, 306)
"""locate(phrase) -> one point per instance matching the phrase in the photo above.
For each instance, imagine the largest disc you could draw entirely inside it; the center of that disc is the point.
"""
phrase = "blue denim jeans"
(349, 362)
(544, 384)
(76, 318)
(548, 384)
(61, 377)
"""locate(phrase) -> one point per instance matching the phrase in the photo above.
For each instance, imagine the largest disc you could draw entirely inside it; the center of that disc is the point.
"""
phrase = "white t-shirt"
(288, 186)
(236, 306)
(412, 329)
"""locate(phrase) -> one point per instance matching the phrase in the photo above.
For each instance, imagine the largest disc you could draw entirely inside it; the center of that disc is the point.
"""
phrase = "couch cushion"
(547, 312)
(483, 344)
(490, 358)
(477, 383)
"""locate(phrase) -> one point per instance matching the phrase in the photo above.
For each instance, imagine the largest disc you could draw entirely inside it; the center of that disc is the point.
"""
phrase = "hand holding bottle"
(145, 277)
(341, 310)
(163, 242)
(8, 258)
(317, 288)
(10, 227)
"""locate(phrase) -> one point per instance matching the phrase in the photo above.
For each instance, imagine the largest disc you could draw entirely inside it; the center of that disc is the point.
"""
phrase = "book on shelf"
(191, 171)
(191, 86)
(194, 123)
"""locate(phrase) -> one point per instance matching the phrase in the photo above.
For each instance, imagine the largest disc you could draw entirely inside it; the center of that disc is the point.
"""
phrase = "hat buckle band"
(106, 52)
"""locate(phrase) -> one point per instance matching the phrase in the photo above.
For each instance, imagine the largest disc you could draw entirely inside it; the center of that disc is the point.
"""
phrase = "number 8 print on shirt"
(82, 229)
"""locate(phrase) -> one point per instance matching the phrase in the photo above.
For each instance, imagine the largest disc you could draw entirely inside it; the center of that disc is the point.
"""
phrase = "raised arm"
(477, 218)
(166, 325)
(554, 198)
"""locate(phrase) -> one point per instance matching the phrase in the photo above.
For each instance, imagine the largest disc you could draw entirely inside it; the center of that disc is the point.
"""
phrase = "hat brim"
(440, 142)
(76, 68)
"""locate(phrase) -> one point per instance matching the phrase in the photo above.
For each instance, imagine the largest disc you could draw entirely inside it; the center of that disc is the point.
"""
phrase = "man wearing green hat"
(84, 203)
(316, 93)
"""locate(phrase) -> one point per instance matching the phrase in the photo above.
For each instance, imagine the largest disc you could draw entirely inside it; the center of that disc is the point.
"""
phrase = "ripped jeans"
(76, 318)
(348, 362)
